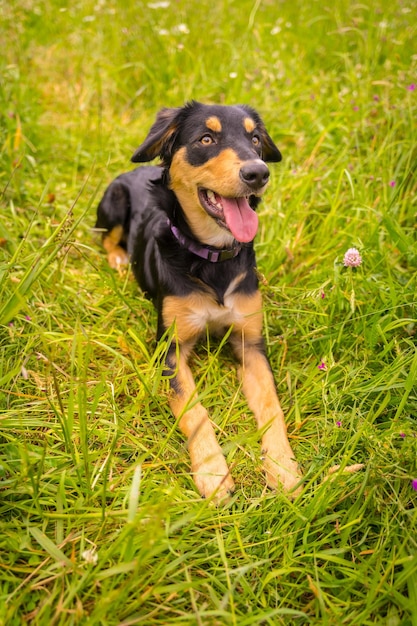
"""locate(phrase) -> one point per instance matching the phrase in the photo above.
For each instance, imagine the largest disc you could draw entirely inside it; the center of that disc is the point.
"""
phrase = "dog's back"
(133, 214)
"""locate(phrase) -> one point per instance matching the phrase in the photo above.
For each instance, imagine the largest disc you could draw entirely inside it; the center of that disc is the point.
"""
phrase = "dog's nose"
(255, 174)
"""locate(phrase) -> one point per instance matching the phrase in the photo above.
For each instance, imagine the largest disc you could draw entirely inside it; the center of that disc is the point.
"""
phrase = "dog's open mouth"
(234, 214)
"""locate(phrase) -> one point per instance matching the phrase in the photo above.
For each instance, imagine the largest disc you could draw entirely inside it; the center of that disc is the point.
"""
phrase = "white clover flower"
(90, 556)
(181, 29)
(163, 4)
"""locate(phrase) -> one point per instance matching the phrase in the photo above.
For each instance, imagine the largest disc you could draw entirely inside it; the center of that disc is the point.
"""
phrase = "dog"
(187, 227)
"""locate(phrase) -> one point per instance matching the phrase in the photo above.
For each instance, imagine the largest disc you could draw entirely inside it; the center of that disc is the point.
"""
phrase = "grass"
(99, 520)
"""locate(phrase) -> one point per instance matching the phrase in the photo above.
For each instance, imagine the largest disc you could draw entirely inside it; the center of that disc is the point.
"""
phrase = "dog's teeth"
(212, 198)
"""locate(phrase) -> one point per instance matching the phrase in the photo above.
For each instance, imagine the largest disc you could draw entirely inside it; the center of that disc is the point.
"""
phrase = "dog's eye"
(256, 141)
(206, 140)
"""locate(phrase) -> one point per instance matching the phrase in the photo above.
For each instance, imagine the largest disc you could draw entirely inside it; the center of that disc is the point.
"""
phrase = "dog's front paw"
(281, 469)
(213, 479)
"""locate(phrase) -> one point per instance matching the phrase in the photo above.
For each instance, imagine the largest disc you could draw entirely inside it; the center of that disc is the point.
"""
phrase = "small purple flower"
(376, 98)
(412, 87)
(322, 365)
(352, 258)
(28, 318)
(338, 424)
(402, 435)
(323, 295)
(392, 183)
(414, 484)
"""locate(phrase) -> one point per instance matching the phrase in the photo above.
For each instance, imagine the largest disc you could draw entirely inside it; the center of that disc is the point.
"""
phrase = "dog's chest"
(208, 307)
(206, 310)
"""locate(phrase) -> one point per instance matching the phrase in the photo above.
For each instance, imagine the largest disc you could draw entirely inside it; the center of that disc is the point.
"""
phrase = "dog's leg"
(259, 388)
(112, 212)
(208, 465)
(116, 255)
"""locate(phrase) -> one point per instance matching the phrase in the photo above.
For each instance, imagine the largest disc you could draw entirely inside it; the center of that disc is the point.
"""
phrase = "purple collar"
(209, 253)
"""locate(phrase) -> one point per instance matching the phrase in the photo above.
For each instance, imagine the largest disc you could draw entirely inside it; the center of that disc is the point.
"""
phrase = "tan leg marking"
(209, 467)
(116, 255)
(208, 464)
(259, 388)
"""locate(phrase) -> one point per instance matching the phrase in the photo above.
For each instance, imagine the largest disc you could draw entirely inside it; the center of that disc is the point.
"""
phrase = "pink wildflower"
(412, 87)
(352, 258)
(322, 365)
(414, 484)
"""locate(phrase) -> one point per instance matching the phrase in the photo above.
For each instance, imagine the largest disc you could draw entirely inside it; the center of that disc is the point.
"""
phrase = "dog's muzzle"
(255, 174)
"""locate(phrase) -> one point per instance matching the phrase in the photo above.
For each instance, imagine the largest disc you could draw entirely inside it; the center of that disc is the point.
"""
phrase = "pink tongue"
(241, 219)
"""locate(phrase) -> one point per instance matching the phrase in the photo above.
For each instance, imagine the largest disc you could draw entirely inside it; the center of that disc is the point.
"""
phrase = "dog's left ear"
(270, 152)
(160, 138)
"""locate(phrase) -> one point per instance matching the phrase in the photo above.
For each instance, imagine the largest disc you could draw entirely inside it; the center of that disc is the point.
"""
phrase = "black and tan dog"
(187, 227)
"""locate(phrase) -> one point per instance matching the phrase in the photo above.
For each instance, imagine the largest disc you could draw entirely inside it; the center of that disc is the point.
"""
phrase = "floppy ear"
(160, 139)
(270, 152)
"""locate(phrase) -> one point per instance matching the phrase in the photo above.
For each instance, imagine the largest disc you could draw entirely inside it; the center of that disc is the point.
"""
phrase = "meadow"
(100, 522)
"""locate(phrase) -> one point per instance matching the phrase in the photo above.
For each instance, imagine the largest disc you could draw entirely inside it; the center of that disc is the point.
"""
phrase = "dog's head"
(216, 158)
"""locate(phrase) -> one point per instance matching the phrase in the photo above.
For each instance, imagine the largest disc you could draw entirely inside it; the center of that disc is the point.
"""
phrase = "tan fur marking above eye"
(249, 124)
(213, 123)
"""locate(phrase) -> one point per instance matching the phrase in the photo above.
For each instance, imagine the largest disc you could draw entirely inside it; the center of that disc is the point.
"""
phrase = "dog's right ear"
(160, 139)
